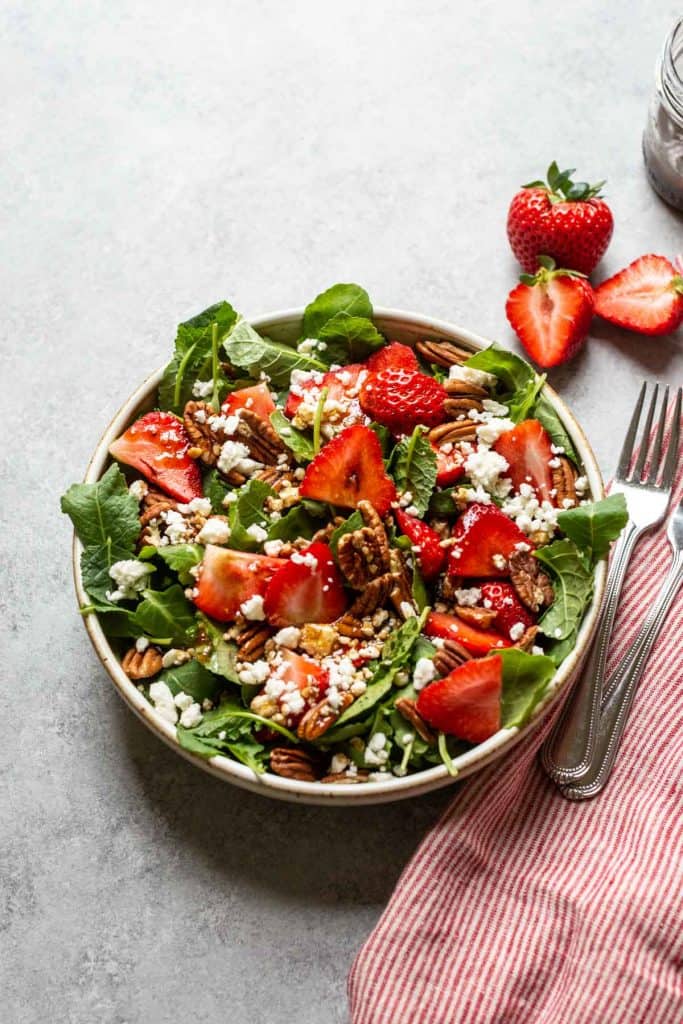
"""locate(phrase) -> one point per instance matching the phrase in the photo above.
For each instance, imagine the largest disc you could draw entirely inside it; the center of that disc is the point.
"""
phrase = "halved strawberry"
(475, 640)
(450, 465)
(466, 703)
(308, 588)
(350, 469)
(527, 448)
(156, 445)
(228, 578)
(647, 297)
(502, 599)
(431, 556)
(341, 384)
(306, 675)
(551, 313)
(257, 398)
(485, 539)
(394, 356)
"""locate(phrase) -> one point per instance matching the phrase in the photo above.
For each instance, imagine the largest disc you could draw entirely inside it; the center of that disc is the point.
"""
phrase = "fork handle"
(622, 687)
(569, 751)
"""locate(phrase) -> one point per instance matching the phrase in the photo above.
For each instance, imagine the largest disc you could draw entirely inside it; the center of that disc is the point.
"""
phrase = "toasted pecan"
(322, 717)
(526, 641)
(292, 763)
(564, 480)
(345, 777)
(533, 586)
(141, 664)
(442, 353)
(251, 641)
(482, 618)
(408, 708)
(449, 657)
(260, 437)
(453, 432)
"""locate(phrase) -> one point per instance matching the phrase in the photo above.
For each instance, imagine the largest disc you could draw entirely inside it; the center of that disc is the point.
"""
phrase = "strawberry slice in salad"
(157, 446)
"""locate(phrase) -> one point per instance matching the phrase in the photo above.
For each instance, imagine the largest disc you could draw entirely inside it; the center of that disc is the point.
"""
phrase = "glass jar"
(663, 137)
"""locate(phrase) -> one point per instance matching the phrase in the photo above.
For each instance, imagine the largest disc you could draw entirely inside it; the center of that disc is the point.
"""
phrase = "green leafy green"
(215, 489)
(510, 369)
(248, 350)
(214, 651)
(419, 590)
(297, 522)
(181, 558)
(296, 440)
(105, 518)
(525, 680)
(349, 339)
(165, 614)
(593, 527)
(354, 522)
(248, 511)
(573, 582)
(193, 679)
(350, 299)
(413, 466)
(384, 437)
(196, 358)
(441, 503)
(544, 411)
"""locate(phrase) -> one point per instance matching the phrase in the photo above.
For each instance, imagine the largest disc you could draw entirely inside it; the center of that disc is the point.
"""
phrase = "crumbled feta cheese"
(554, 463)
(173, 657)
(358, 688)
(225, 424)
(288, 637)
(339, 763)
(255, 673)
(558, 633)
(162, 698)
(407, 610)
(375, 754)
(138, 489)
(557, 449)
(191, 716)
(130, 576)
(536, 650)
(202, 388)
(231, 455)
(490, 430)
(495, 408)
(230, 498)
(252, 608)
(517, 631)
(530, 514)
(141, 644)
(423, 673)
(581, 484)
(413, 510)
(257, 532)
(273, 547)
(499, 561)
(468, 597)
(214, 531)
(485, 468)
(183, 701)
(308, 559)
(469, 375)
(176, 526)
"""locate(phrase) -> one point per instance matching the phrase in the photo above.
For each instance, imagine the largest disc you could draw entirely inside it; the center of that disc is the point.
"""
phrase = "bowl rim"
(395, 788)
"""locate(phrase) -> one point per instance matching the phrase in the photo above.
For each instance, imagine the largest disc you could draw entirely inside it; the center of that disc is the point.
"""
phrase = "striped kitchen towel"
(521, 907)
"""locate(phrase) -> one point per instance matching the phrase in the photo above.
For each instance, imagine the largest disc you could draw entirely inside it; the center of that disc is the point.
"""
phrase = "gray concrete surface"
(157, 157)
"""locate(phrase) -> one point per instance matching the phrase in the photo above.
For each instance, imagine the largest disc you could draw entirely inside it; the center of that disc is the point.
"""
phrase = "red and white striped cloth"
(521, 907)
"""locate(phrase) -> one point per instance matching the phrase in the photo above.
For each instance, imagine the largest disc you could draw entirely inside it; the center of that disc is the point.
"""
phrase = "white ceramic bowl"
(285, 326)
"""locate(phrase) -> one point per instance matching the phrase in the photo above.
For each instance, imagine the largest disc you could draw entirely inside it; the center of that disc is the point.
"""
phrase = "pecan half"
(364, 554)
(526, 641)
(291, 763)
(442, 353)
(346, 777)
(408, 708)
(533, 587)
(457, 407)
(463, 388)
(564, 479)
(450, 656)
(402, 592)
(322, 717)
(374, 595)
(251, 641)
(275, 476)
(454, 431)
(480, 617)
(357, 629)
(141, 664)
(260, 437)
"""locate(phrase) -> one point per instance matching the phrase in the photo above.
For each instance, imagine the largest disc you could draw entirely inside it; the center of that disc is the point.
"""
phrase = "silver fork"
(622, 685)
(568, 753)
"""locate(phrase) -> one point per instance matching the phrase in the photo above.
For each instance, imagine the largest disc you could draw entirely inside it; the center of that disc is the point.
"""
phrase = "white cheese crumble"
(375, 754)
(183, 700)
(530, 514)
(138, 489)
(490, 430)
(252, 608)
(469, 375)
(339, 763)
(231, 455)
(130, 576)
(141, 644)
(288, 637)
(273, 547)
(407, 610)
(468, 597)
(494, 408)
(485, 469)
(199, 505)
(257, 532)
(517, 631)
(174, 657)
(214, 531)
(255, 673)
(202, 388)
(191, 716)
(499, 561)
(308, 559)
(424, 673)
(162, 698)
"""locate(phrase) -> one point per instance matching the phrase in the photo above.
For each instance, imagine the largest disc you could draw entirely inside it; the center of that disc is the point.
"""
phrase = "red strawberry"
(484, 535)
(308, 588)
(307, 675)
(551, 313)
(647, 297)
(350, 469)
(431, 556)
(527, 448)
(502, 598)
(561, 219)
(475, 640)
(156, 445)
(340, 384)
(394, 356)
(400, 399)
(229, 578)
(257, 398)
(449, 465)
(466, 703)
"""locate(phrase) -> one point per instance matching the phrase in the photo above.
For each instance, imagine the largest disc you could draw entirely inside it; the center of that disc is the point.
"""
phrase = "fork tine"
(645, 443)
(671, 460)
(627, 449)
(657, 447)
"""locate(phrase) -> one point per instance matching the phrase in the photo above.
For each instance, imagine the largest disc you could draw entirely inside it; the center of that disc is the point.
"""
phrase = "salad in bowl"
(339, 559)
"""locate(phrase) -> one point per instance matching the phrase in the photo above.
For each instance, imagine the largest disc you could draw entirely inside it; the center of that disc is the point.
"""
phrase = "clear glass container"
(663, 137)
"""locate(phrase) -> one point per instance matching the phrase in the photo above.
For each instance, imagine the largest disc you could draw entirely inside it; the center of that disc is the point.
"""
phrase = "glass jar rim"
(670, 73)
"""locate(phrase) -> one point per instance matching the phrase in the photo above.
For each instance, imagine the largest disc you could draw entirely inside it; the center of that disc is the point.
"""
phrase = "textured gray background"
(157, 157)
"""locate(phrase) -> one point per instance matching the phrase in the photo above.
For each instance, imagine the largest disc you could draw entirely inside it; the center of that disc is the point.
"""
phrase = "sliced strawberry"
(551, 313)
(527, 449)
(257, 398)
(229, 578)
(350, 469)
(394, 356)
(450, 465)
(510, 612)
(306, 675)
(308, 588)
(157, 445)
(431, 556)
(485, 539)
(466, 703)
(401, 399)
(341, 384)
(475, 640)
(647, 297)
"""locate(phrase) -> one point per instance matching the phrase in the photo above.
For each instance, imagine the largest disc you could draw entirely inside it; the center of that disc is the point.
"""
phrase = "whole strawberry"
(401, 398)
(563, 219)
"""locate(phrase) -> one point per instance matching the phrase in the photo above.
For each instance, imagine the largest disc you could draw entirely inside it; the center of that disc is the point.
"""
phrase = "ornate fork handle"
(622, 687)
(570, 750)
